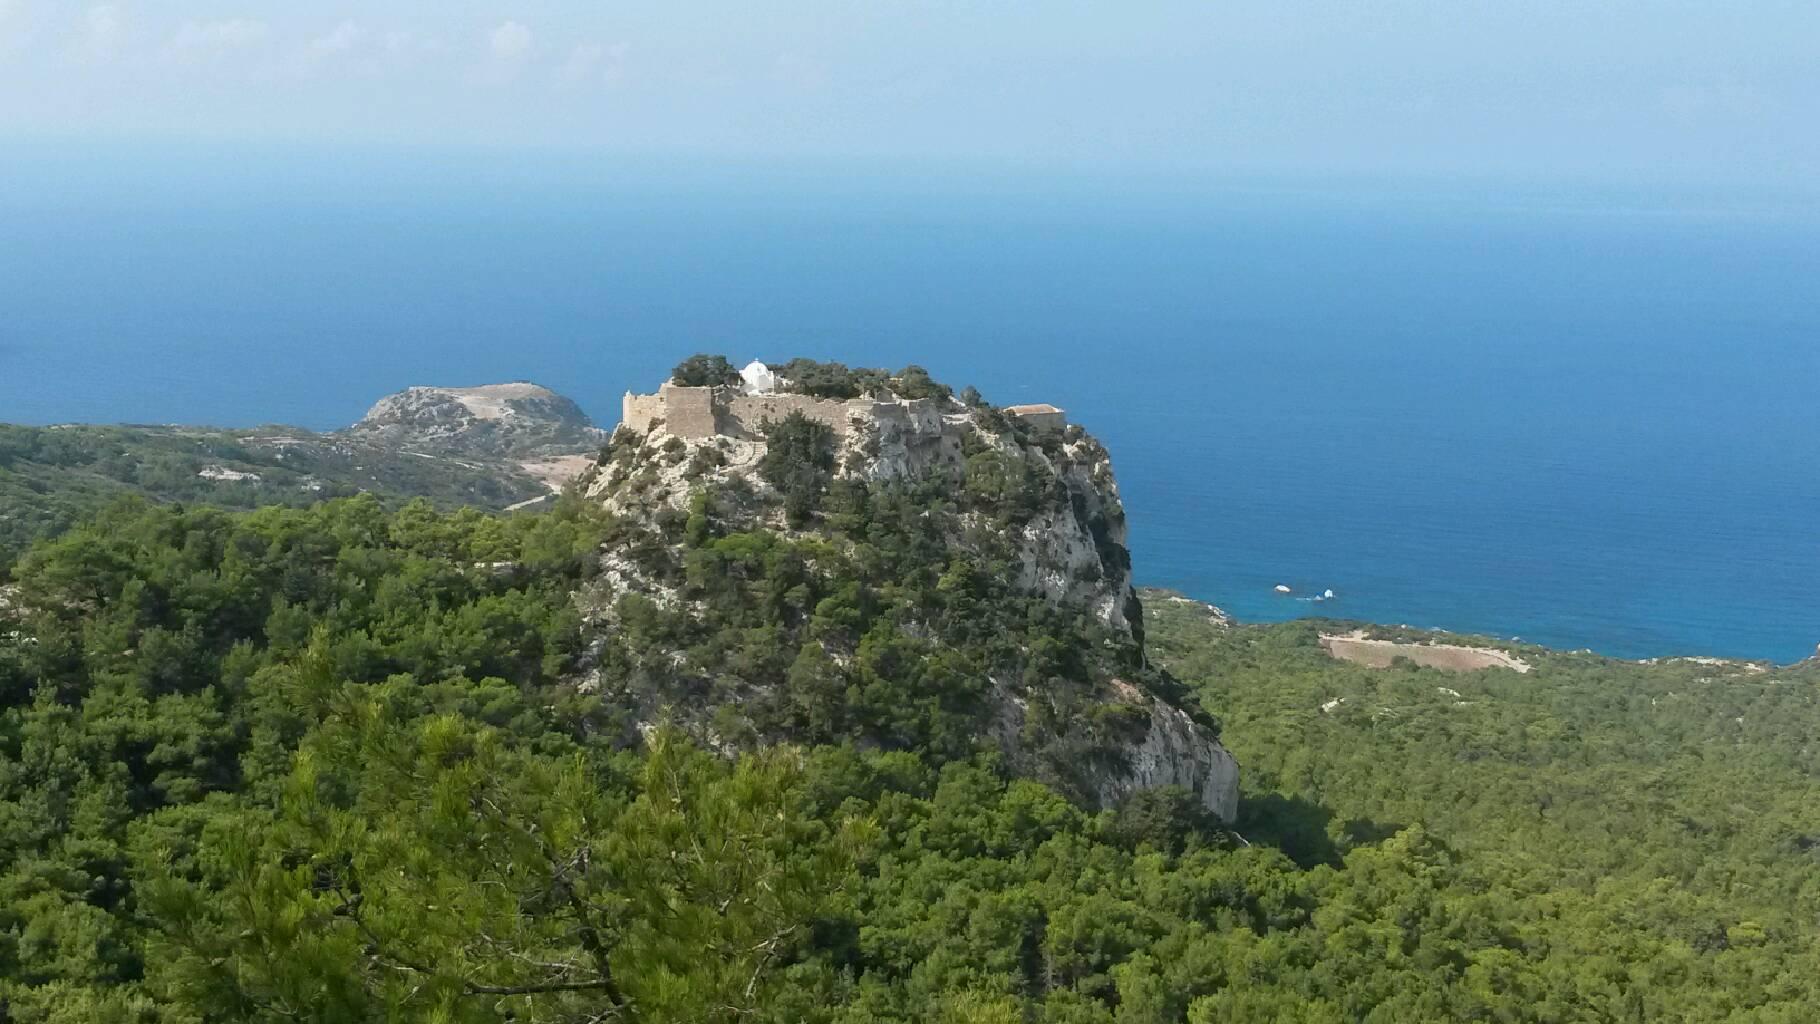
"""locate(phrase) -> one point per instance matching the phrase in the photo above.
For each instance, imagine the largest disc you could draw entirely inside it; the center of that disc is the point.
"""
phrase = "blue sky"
(1722, 93)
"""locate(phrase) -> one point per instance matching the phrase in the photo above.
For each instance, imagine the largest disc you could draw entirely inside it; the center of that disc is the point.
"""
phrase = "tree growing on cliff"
(704, 371)
(799, 462)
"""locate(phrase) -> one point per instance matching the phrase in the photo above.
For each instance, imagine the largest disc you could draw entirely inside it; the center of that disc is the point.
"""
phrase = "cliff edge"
(851, 555)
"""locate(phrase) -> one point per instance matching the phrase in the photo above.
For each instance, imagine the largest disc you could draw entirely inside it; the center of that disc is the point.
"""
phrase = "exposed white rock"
(517, 419)
(1077, 552)
(1176, 751)
(1214, 614)
(9, 604)
(226, 475)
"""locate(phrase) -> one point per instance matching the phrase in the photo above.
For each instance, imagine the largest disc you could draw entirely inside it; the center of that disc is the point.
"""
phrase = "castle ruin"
(739, 411)
(730, 412)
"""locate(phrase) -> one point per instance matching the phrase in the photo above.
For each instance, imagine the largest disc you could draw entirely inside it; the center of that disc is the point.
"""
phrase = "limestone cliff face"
(1078, 552)
(1176, 751)
(1072, 549)
(517, 420)
(1039, 506)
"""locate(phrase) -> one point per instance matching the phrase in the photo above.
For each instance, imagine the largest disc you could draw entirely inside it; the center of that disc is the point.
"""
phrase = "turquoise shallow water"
(1586, 423)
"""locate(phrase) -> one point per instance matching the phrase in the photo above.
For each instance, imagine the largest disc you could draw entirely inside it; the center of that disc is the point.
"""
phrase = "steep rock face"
(1072, 548)
(1078, 552)
(895, 440)
(1176, 751)
(517, 420)
(999, 511)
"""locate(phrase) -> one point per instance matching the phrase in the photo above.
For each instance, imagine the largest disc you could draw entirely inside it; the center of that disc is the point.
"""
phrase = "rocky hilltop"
(517, 420)
(496, 447)
(827, 554)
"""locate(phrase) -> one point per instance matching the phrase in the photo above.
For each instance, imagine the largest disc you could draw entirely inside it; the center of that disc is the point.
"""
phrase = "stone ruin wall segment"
(640, 412)
(749, 412)
(710, 412)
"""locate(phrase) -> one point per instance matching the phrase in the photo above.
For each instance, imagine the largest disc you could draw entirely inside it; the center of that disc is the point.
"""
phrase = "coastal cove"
(1596, 432)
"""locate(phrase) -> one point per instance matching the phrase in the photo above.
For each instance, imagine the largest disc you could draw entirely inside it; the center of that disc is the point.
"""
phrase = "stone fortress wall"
(725, 412)
(740, 412)
(744, 415)
(639, 412)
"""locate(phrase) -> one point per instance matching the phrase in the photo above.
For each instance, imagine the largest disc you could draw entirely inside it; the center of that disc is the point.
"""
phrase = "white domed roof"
(758, 378)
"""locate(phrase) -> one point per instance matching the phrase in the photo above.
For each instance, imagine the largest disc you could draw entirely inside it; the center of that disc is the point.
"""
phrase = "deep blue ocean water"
(1581, 420)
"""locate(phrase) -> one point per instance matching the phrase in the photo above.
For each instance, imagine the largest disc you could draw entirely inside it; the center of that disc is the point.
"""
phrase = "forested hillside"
(321, 764)
(52, 477)
(1623, 841)
(852, 730)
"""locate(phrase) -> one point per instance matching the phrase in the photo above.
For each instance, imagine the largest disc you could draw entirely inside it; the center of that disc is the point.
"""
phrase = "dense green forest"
(327, 764)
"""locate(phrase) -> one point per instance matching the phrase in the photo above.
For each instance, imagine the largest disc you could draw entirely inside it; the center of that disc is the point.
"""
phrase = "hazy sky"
(1724, 92)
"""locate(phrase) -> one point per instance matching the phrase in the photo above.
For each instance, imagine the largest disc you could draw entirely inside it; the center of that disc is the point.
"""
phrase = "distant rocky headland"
(518, 425)
(512, 421)
(494, 447)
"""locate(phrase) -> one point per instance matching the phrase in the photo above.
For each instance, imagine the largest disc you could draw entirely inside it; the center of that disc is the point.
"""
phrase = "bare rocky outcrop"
(514, 421)
(1072, 550)
(1210, 614)
(1176, 751)
(1066, 543)
(9, 633)
(1078, 552)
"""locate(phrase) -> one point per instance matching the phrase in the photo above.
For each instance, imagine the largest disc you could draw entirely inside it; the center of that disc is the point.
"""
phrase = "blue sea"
(1580, 417)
